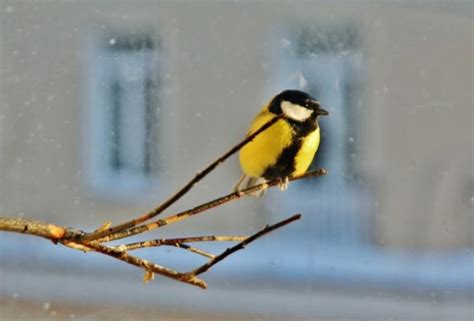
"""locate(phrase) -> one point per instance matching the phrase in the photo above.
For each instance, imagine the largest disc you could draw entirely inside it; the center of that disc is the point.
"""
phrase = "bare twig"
(156, 243)
(37, 228)
(147, 265)
(181, 243)
(267, 229)
(194, 250)
(200, 175)
(181, 240)
(67, 236)
(64, 235)
(203, 207)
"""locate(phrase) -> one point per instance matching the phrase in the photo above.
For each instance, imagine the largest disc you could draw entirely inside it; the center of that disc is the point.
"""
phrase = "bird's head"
(297, 105)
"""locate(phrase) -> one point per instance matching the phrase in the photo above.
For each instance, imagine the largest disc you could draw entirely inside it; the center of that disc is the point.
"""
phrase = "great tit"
(288, 147)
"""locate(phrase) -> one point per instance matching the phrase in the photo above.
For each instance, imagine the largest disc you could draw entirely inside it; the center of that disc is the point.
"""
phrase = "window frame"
(106, 58)
(343, 64)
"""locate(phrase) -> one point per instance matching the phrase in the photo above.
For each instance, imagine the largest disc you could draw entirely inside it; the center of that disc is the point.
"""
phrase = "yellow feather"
(305, 155)
(264, 150)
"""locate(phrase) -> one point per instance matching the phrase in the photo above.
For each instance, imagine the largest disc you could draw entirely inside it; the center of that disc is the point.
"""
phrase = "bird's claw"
(284, 184)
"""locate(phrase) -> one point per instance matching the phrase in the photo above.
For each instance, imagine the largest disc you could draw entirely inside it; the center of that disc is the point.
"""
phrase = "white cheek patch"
(295, 112)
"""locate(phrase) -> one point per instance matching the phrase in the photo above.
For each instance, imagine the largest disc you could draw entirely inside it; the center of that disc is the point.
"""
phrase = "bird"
(286, 148)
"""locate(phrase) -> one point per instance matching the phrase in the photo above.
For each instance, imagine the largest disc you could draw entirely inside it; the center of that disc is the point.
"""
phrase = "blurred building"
(105, 109)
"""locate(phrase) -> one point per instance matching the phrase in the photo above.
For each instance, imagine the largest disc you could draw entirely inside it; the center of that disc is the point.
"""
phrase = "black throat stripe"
(285, 164)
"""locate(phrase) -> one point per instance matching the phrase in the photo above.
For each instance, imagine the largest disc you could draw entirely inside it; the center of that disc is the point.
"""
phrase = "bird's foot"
(284, 184)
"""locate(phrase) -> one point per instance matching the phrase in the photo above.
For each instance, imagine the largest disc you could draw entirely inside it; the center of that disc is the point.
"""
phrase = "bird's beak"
(322, 112)
(317, 108)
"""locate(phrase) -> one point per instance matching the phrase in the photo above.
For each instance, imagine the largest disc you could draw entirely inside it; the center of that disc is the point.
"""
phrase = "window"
(325, 62)
(122, 102)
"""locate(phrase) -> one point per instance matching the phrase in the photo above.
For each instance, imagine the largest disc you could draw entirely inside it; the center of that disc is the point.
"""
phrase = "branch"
(203, 207)
(181, 240)
(200, 175)
(49, 231)
(194, 250)
(267, 229)
(147, 265)
(181, 243)
(67, 237)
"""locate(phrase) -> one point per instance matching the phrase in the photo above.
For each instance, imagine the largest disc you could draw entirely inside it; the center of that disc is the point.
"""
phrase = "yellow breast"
(305, 155)
(267, 147)
(263, 151)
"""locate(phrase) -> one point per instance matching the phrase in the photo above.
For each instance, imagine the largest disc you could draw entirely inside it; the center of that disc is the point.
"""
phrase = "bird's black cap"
(296, 97)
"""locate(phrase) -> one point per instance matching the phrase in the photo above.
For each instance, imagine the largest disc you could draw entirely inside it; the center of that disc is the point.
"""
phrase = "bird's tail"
(247, 181)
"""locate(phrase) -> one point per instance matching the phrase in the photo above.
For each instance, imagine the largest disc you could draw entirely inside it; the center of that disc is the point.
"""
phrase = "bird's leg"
(284, 184)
